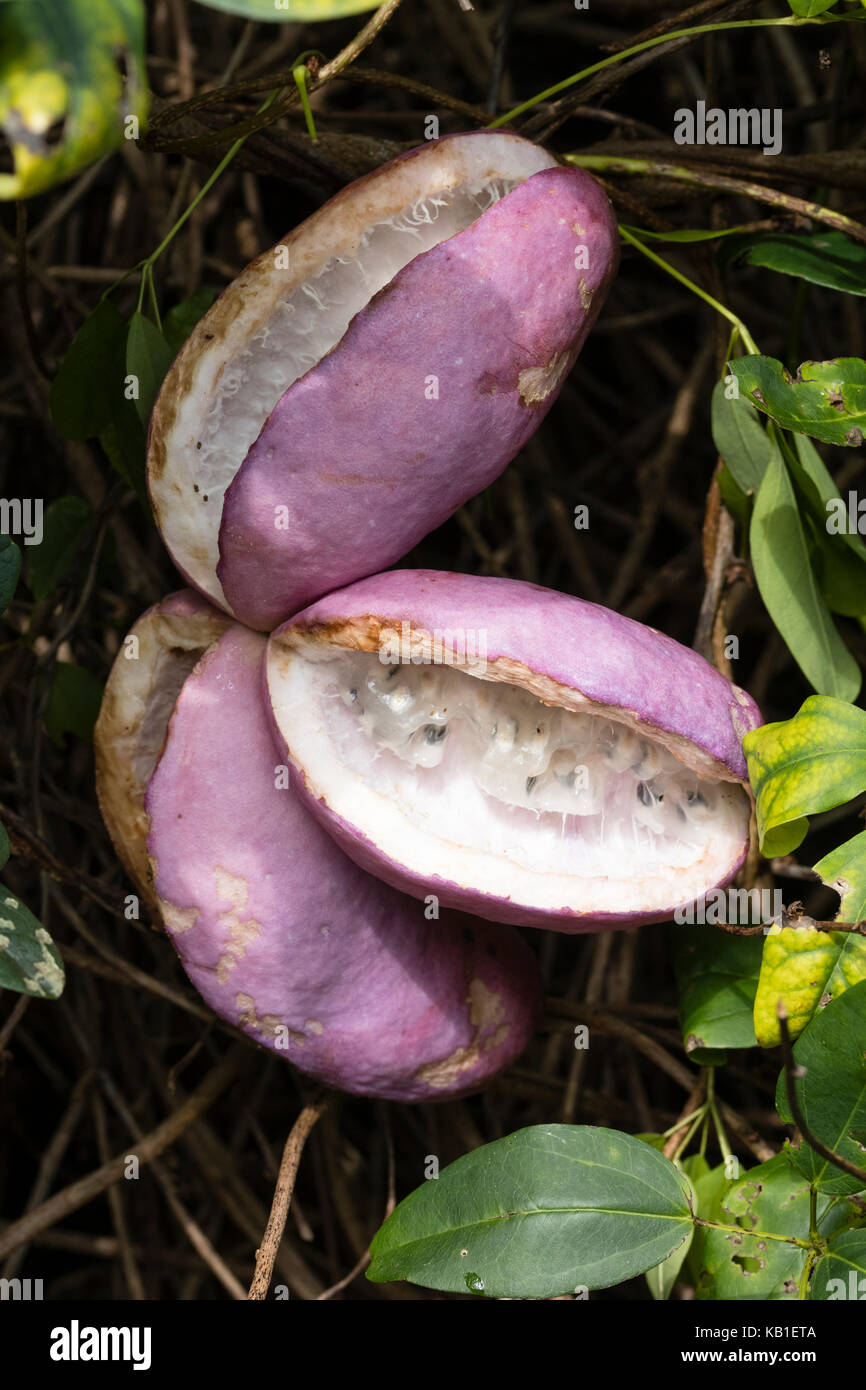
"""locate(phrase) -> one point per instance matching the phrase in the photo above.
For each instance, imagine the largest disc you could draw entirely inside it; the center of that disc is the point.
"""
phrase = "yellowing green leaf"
(844, 870)
(800, 766)
(292, 11)
(71, 72)
(806, 968)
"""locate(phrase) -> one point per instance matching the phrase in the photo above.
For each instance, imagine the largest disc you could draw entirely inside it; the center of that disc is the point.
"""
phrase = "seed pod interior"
(580, 769)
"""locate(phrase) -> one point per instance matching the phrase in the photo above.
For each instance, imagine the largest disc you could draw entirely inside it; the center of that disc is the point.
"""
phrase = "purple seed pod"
(278, 930)
(522, 754)
(380, 365)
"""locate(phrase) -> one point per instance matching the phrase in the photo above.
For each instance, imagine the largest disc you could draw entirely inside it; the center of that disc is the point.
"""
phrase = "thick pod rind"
(282, 934)
(436, 347)
(566, 653)
(432, 391)
(152, 664)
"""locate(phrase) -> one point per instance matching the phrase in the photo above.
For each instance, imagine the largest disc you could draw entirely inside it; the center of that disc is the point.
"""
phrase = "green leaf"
(826, 400)
(543, 1212)
(839, 555)
(710, 1189)
(812, 762)
(66, 526)
(789, 588)
(661, 1280)
(824, 258)
(717, 975)
(840, 1274)
(5, 847)
(182, 319)
(806, 968)
(740, 438)
(844, 870)
(64, 98)
(832, 1092)
(148, 358)
(773, 1198)
(807, 9)
(10, 568)
(293, 11)
(73, 703)
(88, 376)
(29, 961)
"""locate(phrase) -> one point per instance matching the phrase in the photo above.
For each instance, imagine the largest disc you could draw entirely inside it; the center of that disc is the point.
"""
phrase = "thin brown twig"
(294, 1148)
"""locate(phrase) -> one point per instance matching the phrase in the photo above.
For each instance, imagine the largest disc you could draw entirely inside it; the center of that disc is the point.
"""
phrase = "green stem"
(739, 326)
(789, 21)
(206, 187)
(758, 1235)
(299, 73)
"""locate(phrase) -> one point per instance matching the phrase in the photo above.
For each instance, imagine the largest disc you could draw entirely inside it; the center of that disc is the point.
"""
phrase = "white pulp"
(489, 762)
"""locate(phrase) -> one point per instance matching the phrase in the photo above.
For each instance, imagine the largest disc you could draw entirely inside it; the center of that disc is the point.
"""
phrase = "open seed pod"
(383, 363)
(520, 753)
(277, 929)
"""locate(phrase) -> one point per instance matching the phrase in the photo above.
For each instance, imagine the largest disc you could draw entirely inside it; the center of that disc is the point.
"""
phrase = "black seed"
(392, 671)
(530, 783)
(354, 692)
(435, 733)
(644, 795)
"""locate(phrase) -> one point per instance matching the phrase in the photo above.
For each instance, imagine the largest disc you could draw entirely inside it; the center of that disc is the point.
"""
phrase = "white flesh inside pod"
(507, 783)
(290, 308)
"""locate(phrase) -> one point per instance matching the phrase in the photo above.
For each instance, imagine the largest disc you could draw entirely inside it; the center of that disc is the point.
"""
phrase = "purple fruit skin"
(365, 463)
(371, 992)
(608, 657)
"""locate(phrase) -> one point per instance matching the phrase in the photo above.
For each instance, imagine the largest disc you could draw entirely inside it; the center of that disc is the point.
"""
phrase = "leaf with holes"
(840, 1274)
(539, 1213)
(823, 258)
(748, 1263)
(832, 1092)
(29, 961)
(826, 400)
(789, 587)
(717, 975)
(71, 76)
(844, 870)
(812, 762)
(806, 968)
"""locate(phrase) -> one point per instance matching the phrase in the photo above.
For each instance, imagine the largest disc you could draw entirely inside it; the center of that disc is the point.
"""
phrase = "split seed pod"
(522, 754)
(376, 368)
(277, 929)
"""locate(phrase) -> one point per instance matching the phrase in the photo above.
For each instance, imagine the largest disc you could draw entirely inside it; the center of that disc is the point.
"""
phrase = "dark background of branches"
(85, 1078)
